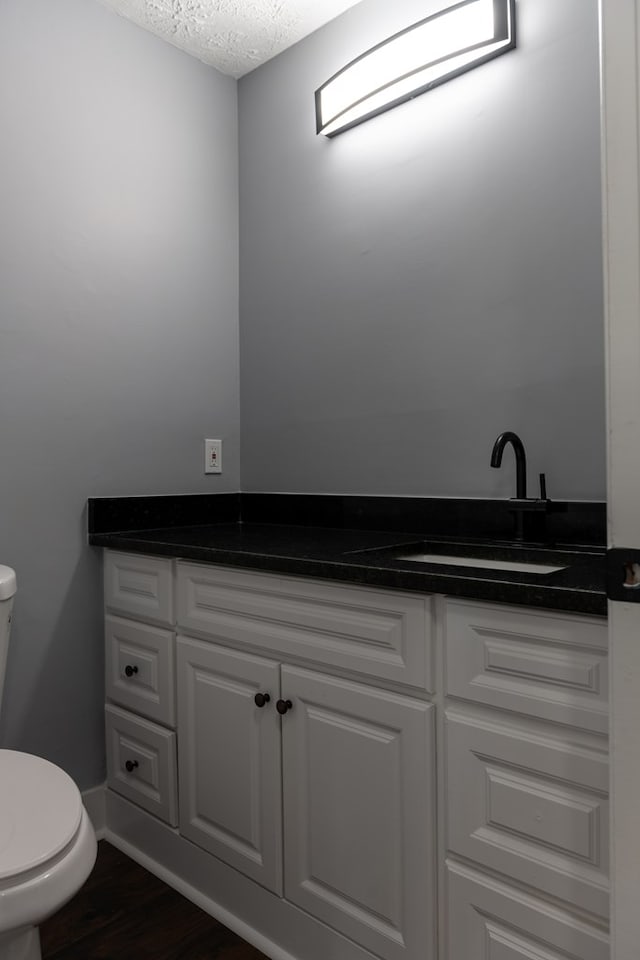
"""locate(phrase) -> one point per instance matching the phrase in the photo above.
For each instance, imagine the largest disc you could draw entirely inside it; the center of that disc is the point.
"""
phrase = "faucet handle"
(533, 504)
(543, 487)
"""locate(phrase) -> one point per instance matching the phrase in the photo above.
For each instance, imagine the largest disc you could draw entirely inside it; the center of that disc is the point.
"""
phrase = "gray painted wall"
(408, 289)
(118, 327)
(431, 278)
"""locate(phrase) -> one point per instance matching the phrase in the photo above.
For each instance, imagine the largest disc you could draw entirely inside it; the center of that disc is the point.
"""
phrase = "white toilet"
(47, 843)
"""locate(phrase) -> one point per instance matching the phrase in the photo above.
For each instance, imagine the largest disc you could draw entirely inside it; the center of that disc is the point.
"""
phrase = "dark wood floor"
(125, 913)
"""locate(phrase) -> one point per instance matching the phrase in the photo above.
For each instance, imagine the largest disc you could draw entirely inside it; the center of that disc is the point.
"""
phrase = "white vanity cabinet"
(291, 737)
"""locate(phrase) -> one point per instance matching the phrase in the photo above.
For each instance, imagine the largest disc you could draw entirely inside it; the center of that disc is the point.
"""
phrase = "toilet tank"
(7, 592)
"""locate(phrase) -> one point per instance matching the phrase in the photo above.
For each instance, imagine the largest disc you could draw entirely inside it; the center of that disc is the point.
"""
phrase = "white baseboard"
(268, 922)
(230, 920)
(94, 801)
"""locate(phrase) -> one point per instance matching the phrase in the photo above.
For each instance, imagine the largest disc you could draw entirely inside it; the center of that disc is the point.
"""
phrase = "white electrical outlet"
(213, 456)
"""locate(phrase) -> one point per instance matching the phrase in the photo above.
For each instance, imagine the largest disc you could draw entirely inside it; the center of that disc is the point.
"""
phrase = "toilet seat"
(40, 813)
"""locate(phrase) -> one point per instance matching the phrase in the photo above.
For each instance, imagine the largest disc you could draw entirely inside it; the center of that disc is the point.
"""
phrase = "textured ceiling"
(232, 35)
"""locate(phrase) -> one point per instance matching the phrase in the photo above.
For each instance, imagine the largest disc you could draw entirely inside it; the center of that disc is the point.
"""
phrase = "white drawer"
(488, 920)
(377, 633)
(141, 763)
(529, 805)
(140, 671)
(139, 586)
(552, 666)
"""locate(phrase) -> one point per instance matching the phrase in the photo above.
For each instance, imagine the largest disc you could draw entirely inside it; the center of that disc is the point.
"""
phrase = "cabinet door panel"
(358, 811)
(552, 666)
(139, 668)
(489, 920)
(376, 632)
(230, 758)
(150, 750)
(139, 586)
(533, 806)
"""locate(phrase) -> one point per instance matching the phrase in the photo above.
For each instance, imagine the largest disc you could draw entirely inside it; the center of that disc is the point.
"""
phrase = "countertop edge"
(579, 600)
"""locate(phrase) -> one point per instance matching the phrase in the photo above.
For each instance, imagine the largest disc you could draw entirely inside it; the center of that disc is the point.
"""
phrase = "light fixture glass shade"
(414, 60)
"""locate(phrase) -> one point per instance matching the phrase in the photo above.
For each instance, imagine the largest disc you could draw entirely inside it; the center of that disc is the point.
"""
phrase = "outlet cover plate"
(213, 456)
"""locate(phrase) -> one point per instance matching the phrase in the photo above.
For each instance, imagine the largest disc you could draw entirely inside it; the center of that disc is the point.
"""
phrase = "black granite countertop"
(370, 558)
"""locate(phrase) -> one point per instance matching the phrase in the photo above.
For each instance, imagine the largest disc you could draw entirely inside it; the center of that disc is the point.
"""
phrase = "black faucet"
(530, 513)
(521, 460)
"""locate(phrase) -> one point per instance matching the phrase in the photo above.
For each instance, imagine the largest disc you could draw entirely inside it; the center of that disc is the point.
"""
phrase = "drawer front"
(139, 586)
(150, 751)
(490, 921)
(386, 635)
(140, 668)
(545, 665)
(531, 806)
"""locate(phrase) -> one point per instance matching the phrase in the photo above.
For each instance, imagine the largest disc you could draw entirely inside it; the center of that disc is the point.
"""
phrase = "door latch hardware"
(623, 574)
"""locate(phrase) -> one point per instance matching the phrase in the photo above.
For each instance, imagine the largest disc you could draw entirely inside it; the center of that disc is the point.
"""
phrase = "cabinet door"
(358, 812)
(230, 758)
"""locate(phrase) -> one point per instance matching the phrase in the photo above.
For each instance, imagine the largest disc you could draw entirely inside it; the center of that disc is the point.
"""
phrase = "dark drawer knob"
(129, 670)
(130, 765)
(261, 698)
(283, 705)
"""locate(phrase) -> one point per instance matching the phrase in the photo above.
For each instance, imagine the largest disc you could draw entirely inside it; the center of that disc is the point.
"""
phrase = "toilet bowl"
(47, 849)
(47, 843)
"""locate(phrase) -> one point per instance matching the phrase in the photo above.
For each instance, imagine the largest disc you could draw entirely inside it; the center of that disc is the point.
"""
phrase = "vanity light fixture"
(420, 57)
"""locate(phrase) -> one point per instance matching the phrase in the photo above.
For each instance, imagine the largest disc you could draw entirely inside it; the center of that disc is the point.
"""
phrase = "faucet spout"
(521, 460)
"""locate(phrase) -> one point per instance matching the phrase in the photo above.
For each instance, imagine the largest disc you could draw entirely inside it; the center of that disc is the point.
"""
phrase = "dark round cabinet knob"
(261, 698)
(283, 705)
(129, 670)
(130, 765)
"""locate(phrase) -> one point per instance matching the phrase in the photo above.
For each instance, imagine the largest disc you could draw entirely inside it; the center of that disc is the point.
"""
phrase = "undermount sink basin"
(490, 557)
(512, 565)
